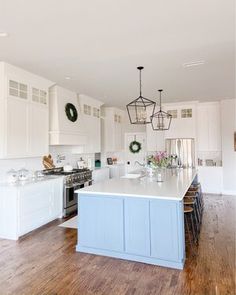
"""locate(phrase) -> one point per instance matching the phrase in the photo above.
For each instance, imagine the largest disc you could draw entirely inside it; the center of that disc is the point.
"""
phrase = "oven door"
(70, 197)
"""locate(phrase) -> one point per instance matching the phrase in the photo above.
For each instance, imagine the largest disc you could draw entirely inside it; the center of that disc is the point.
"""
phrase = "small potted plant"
(159, 162)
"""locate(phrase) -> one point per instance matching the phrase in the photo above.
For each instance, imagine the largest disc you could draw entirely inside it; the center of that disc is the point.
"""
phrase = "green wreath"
(135, 147)
(71, 112)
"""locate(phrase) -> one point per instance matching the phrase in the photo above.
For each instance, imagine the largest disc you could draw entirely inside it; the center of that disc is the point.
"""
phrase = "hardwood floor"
(45, 263)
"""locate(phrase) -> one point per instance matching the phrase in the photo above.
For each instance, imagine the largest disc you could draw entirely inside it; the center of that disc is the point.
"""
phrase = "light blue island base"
(143, 229)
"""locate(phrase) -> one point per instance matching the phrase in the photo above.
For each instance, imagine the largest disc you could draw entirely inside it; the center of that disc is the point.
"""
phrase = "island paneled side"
(140, 229)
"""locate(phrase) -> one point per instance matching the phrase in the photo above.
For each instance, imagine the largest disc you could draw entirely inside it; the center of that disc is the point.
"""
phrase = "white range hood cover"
(61, 130)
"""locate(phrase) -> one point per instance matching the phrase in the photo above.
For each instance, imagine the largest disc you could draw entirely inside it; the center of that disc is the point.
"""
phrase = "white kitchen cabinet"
(17, 125)
(211, 179)
(8, 213)
(38, 138)
(208, 127)
(35, 202)
(184, 123)
(93, 133)
(91, 114)
(24, 208)
(24, 113)
(202, 129)
(100, 174)
(113, 130)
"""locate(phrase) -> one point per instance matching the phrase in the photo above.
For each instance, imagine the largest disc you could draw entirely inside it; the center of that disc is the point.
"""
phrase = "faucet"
(137, 162)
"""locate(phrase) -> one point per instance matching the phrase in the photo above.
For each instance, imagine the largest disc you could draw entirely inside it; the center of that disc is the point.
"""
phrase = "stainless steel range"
(73, 180)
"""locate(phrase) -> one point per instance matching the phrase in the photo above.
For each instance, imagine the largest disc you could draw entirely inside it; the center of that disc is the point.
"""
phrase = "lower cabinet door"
(166, 230)
(101, 222)
(137, 227)
(57, 202)
(35, 205)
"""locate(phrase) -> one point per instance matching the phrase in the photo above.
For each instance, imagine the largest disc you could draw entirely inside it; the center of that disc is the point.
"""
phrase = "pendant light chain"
(160, 98)
(140, 83)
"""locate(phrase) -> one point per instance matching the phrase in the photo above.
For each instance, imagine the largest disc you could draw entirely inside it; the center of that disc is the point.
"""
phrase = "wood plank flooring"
(44, 262)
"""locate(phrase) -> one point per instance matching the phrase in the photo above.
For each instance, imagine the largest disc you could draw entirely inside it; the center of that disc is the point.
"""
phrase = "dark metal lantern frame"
(161, 120)
(138, 106)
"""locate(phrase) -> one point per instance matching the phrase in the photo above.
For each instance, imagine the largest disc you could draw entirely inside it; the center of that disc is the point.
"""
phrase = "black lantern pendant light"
(161, 120)
(140, 109)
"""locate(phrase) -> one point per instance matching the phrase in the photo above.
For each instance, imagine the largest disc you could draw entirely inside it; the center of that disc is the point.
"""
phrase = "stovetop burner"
(60, 171)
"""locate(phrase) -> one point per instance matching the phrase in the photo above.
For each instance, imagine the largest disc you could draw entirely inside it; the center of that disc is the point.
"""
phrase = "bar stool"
(192, 202)
(199, 200)
(189, 226)
(197, 189)
(196, 204)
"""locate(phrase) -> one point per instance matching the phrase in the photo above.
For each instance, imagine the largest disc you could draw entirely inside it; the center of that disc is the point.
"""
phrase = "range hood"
(62, 131)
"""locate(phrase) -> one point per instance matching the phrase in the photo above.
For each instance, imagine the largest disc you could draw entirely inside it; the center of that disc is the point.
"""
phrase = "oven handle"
(77, 184)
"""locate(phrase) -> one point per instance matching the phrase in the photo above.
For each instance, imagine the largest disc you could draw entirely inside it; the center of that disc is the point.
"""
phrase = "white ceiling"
(99, 43)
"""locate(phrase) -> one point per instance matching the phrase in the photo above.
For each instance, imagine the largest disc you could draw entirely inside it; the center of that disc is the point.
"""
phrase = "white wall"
(228, 125)
(127, 127)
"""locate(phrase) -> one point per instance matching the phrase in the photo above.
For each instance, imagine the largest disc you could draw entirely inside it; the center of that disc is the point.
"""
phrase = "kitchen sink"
(131, 176)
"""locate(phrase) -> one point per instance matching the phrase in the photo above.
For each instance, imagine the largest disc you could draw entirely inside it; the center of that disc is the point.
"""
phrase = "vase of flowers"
(159, 162)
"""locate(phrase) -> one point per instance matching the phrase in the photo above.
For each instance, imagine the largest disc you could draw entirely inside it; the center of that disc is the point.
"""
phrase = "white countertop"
(107, 166)
(173, 188)
(29, 181)
(99, 168)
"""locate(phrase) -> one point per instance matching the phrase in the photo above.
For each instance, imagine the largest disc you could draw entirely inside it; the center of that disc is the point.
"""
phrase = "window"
(186, 113)
(173, 113)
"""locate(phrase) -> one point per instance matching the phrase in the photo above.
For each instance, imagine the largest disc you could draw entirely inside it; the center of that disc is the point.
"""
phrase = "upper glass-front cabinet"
(186, 113)
(22, 91)
(18, 89)
(39, 96)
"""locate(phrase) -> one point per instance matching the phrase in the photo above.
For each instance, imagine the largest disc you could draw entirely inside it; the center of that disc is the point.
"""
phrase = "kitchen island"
(135, 219)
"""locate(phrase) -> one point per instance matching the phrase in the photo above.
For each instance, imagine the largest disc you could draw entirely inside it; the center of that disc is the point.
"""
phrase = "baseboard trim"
(131, 257)
(229, 193)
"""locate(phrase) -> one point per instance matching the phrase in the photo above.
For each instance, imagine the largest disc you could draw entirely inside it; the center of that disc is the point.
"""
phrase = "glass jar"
(12, 176)
(23, 174)
(160, 174)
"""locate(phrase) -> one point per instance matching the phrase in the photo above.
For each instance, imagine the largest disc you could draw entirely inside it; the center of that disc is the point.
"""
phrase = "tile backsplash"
(31, 164)
(62, 155)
